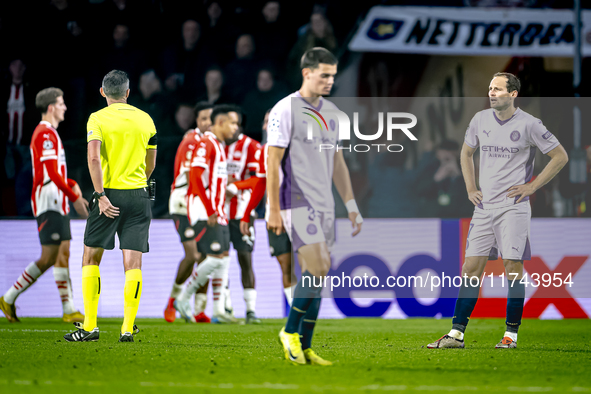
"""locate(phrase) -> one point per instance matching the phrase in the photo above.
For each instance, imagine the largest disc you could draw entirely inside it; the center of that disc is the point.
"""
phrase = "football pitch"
(369, 355)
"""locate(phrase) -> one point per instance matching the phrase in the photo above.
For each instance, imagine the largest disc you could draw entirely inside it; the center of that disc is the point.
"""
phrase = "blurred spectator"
(184, 118)
(242, 71)
(123, 56)
(168, 142)
(214, 87)
(184, 64)
(273, 38)
(440, 185)
(267, 93)
(66, 20)
(18, 123)
(153, 100)
(264, 129)
(220, 31)
(319, 33)
(139, 16)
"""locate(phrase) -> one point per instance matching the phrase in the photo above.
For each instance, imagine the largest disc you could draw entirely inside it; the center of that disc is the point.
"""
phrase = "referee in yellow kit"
(121, 158)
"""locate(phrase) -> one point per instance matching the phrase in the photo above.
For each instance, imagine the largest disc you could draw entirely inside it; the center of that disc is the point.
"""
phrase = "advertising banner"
(384, 264)
(471, 31)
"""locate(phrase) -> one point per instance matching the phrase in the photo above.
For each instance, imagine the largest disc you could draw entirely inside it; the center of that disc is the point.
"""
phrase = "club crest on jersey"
(47, 144)
(312, 229)
(515, 136)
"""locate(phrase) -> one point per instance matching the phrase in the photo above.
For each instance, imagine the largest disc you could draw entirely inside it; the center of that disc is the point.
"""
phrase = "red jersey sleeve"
(252, 162)
(45, 146)
(262, 159)
(203, 155)
(258, 191)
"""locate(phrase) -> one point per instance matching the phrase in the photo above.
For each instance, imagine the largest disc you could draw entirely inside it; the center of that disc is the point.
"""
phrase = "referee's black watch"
(97, 195)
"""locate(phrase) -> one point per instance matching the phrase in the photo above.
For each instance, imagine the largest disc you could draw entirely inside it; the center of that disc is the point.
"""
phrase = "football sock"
(200, 303)
(250, 298)
(227, 299)
(199, 277)
(512, 335)
(132, 293)
(91, 291)
(457, 334)
(515, 300)
(27, 278)
(465, 305)
(289, 293)
(64, 287)
(176, 290)
(305, 293)
(309, 322)
(218, 285)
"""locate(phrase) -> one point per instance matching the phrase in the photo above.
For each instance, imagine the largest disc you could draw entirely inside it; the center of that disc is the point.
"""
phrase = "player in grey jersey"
(508, 138)
(302, 201)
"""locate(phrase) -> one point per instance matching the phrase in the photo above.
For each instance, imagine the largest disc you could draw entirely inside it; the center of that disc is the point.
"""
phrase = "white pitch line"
(281, 386)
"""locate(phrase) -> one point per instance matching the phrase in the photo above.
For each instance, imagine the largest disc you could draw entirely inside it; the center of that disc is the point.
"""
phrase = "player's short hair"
(46, 97)
(513, 83)
(201, 106)
(314, 56)
(224, 109)
(115, 84)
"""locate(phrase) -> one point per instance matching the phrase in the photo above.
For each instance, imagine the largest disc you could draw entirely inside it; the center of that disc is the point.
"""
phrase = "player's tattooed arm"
(558, 159)
(467, 164)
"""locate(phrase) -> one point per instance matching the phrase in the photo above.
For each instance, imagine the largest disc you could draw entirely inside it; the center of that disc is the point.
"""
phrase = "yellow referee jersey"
(126, 133)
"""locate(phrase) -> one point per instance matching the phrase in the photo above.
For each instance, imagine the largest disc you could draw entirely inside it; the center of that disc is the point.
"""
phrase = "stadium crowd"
(179, 53)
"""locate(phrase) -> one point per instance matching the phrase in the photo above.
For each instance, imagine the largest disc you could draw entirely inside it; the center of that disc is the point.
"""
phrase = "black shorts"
(279, 244)
(240, 242)
(53, 228)
(183, 227)
(212, 240)
(132, 226)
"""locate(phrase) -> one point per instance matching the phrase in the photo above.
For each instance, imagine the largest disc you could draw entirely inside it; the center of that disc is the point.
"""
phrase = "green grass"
(370, 356)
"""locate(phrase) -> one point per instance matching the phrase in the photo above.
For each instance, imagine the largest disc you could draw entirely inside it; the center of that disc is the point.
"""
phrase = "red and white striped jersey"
(261, 156)
(210, 156)
(242, 161)
(182, 165)
(46, 145)
(16, 111)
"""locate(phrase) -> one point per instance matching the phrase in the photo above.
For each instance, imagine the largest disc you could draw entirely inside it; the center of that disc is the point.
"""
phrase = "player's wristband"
(352, 207)
(232, 189)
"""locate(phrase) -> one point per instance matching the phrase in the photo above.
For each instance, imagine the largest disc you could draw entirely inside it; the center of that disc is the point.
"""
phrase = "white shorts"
(305, 226)
(501, 230)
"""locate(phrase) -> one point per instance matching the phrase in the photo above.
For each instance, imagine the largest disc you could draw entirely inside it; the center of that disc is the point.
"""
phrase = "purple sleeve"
(279, 126)
(541, 137)
(471, 138)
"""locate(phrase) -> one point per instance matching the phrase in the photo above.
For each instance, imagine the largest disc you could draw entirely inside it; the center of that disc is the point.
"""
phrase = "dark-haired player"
(241, 153)
(508, 138)
(177, 207)
(51, 192)
(205, 207)
(301, 202)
